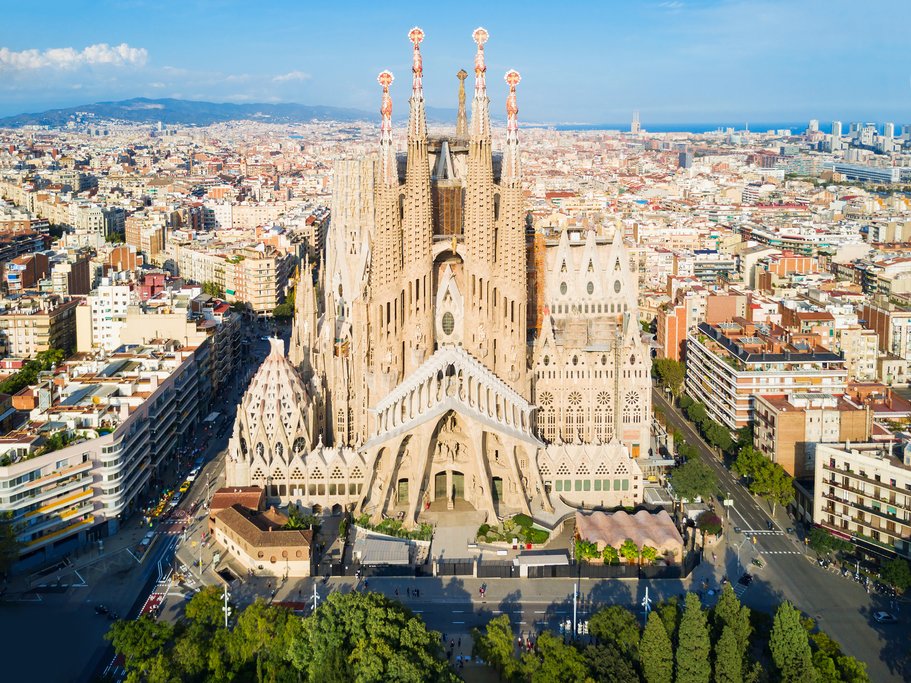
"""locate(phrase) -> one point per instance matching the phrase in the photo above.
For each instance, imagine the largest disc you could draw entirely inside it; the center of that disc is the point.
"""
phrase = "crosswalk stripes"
(762, 532)
(779, 552)
(739, 590)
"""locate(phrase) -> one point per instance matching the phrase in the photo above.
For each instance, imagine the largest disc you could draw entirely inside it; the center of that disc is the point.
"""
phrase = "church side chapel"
(412, 382)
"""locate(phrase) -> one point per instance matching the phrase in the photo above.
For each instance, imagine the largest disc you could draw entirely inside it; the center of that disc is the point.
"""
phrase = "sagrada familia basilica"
(413, 379)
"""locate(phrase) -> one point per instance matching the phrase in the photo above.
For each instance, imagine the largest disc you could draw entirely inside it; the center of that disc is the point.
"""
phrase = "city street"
(841, 606)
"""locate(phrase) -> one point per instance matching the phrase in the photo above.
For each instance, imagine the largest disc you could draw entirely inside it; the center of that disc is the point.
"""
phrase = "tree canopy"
(694, 479)
(670, 373)
(897, 573)
(352, 636)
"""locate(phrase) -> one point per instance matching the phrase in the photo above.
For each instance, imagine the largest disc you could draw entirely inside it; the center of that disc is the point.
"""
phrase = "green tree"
(649, 554)
(655, 652)
(139, 641)
(790, 647)
(728, 658)
(554, 662)
(586, 550)
(629, 551)
(897, 573)
(685, 402)
(728, 613)
(373, 637)
(718, 436)
(9, 543)
(495, 646)
(608, 665)
(670, 373)
(825, 668)
(694, 479)
(618, 626)
(205, 608)
(773, 485)
(852, 670)
(283, 311)
(744, 436)
(823, 542)
(212, 289)
(669, 611)
(693, 644)
(749, 461)
(696, 413)
(262, 637)
(610, 555)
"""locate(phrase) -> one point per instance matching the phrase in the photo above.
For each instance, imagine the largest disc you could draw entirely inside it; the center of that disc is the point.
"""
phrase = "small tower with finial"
(462, 118)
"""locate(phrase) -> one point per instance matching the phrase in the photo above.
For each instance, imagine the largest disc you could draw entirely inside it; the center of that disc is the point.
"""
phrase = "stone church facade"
(416, 383)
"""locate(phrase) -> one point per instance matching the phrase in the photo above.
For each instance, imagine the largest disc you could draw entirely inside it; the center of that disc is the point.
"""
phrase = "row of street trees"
(681, 643)
(350, 637)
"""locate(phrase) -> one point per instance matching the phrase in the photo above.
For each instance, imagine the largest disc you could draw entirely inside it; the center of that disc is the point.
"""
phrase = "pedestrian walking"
(396, 592)
(460, 641)
(409, 595)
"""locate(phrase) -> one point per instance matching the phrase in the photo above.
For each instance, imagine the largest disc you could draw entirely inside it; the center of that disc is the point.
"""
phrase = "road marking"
(540, 611)
(458, 622)
(458, 611)
(496, 611)
(418, 611)
(523, 622)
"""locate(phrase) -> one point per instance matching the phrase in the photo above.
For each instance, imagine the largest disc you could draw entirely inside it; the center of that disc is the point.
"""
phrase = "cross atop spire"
(417, 122)
(385, 79)
(480, 114)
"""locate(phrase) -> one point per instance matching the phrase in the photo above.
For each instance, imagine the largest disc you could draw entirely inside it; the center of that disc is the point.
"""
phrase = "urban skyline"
(702, 61)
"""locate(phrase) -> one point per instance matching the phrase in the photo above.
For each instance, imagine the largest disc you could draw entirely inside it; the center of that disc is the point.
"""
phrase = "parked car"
(884, 618)
(745, 580)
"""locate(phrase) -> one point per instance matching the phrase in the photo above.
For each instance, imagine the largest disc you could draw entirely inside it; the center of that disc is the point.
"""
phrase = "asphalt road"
(842, 607)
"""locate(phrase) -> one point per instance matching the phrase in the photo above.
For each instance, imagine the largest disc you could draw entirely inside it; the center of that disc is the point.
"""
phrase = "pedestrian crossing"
(739, 590)
(778, 552)
(762, 532)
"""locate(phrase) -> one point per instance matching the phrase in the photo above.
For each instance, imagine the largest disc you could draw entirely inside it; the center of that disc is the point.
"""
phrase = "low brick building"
(258, 541)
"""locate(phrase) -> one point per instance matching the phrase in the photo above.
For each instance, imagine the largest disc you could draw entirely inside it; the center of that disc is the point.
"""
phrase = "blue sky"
(676, 61)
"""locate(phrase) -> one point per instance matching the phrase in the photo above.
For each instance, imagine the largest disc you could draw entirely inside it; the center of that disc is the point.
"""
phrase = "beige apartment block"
(862, 493)
(38, 324)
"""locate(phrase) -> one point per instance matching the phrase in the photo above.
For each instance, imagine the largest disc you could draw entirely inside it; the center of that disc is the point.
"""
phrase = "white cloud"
(292, 76)
(63, 58)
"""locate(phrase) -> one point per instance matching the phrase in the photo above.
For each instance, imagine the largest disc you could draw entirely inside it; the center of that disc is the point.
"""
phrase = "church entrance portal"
(458, 485)
(439, 486)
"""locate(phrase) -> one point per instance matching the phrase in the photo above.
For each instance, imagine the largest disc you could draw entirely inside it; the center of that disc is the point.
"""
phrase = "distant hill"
(191, 112)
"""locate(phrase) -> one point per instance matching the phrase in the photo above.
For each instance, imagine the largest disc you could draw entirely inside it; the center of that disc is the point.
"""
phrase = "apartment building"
(100, 321)
(862, 492)
(255, 275)
(99, 430)
(30, 325)
(729, 364)
(788, 427)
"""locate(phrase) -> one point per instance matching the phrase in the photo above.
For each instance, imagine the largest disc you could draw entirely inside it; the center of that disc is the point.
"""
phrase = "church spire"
(480, 110)
(511, 171)
(417, 120)
(387, 153)
(462, 119)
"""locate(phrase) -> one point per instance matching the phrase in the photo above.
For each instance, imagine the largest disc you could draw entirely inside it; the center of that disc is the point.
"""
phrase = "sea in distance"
(760, 127)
